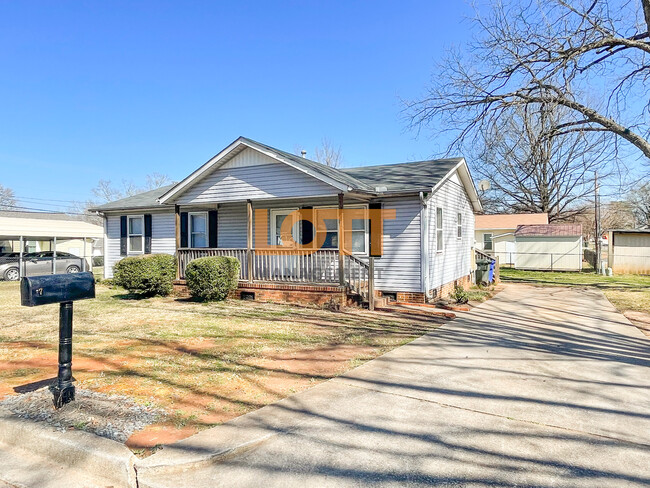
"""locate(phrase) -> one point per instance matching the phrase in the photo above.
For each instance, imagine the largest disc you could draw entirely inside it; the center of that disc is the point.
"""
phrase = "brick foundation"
(447, 289)
(410, 297)
(333, 296)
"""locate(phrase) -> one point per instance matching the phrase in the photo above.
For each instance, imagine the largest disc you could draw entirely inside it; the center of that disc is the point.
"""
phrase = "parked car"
(9, 257)
(40, 263)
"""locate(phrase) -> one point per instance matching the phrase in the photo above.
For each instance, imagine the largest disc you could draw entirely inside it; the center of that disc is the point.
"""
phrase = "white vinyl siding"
(231, 225)
(455, 262)
(163, 238)
(267, 179)
(398, 269)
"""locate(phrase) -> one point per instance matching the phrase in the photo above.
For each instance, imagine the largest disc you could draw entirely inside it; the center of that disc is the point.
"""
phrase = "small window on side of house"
(459, 226)
(487, 242)
(439, 238)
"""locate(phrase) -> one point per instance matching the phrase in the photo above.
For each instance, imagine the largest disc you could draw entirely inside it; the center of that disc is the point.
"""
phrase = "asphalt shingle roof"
(147, 199)
(390, 178)
(412, 176)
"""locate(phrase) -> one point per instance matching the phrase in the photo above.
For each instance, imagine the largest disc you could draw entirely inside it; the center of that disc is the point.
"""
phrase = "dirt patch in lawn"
(202, 364)
(640, 319)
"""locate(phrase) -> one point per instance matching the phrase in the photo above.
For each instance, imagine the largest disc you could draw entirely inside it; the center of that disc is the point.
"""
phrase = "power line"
(42, 210)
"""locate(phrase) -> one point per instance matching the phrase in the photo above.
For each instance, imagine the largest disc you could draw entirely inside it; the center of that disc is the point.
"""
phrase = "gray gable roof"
(334, 173)
(382, 179)
(404, 177)
(147, 199)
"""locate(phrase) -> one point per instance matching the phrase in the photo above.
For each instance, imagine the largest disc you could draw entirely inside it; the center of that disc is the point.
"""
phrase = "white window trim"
(459, 225)
(128, 234)
(189, 229)
(365, 224)
(491, 241)
(287, 212)
(440, 227)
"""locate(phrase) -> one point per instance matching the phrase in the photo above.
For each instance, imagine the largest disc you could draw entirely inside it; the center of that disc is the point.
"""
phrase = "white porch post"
(177, 212)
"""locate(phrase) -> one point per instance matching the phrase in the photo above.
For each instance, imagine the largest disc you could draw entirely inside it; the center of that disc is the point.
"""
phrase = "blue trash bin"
(491, 272)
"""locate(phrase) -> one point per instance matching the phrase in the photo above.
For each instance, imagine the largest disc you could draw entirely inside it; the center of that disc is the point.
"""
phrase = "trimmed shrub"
(148, 275)
(212, 278)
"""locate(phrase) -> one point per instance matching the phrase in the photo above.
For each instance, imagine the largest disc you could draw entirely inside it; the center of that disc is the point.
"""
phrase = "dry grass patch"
(203, 363)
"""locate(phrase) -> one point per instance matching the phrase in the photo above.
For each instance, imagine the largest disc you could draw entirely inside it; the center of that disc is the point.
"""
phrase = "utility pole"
(597, 222)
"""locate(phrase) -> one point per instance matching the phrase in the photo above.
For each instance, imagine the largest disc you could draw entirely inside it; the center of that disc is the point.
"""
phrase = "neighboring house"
(552, 247)
(629, 250)
(237, 202)
(49, 231)
(495, 234)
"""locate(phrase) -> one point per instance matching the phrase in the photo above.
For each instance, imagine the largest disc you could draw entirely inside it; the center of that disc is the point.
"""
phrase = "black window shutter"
(147, 233)
(375, 249)
(212, 228)
(123, 236)
(307, 229)
(184, 229)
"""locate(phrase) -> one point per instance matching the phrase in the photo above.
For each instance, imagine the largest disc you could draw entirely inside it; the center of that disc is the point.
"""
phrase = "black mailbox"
(62, 289)
(42, 290)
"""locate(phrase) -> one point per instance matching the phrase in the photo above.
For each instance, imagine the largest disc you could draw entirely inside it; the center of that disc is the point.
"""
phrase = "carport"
(33, 241)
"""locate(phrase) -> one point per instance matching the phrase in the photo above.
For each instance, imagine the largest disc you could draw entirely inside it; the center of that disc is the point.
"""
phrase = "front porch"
(281, 272)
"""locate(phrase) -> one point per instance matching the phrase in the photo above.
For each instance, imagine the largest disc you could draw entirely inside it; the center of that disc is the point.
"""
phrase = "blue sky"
(117, 90)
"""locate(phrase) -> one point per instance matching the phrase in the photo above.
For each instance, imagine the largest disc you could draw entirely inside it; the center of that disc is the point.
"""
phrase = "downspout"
(424, 245)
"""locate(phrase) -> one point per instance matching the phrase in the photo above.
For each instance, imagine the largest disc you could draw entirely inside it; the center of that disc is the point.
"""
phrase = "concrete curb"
(219, 443)
(89, 453)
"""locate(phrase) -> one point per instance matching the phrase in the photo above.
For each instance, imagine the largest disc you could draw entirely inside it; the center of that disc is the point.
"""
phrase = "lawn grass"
(626, 292)
(204, 363)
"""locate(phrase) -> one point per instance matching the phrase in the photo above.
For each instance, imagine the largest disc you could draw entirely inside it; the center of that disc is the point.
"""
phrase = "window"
(359, 235)
(198, 229)
(327, 229)
(439, 242)
(330, 229)
(278, 236)
(459, 228)
(136, 234)
(487, 242)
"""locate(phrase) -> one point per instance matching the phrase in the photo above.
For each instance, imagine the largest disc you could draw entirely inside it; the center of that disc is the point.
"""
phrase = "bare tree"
(157, 180)
(106, 192)
(614, 215)
(328, 154)
(590, 56)
(7, 197)
(639, 201)
(532, 172)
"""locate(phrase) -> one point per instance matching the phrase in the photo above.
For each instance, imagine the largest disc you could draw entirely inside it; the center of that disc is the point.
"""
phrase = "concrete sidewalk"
(538, 387)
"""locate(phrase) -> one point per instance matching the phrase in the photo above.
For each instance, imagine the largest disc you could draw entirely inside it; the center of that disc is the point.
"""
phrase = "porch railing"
(357, 274)
(293, 266)
(281, 265)
(298, 266)
(187, 255)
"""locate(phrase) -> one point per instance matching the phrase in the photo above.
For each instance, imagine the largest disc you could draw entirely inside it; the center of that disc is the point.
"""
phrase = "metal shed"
(629, 250)
(550, 247)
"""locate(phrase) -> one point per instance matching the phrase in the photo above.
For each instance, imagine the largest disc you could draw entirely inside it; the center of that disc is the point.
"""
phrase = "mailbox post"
(62, 289)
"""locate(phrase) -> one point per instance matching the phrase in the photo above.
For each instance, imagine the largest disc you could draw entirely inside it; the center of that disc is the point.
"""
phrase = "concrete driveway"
(538, 387)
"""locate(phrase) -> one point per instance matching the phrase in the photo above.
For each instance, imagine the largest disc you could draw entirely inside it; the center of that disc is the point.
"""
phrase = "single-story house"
(551, 247)
(283, 216)
(495, 234)
(49, 231)
(629, 250)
